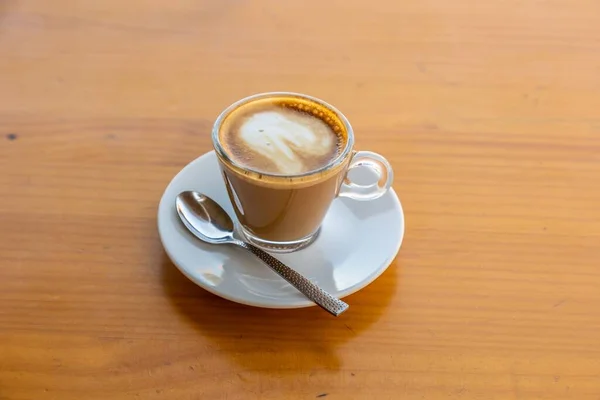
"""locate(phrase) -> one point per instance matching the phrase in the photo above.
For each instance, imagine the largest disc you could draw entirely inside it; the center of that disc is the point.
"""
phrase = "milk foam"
(287, 139)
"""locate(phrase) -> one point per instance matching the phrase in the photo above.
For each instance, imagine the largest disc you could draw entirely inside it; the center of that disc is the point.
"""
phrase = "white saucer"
(358, 241)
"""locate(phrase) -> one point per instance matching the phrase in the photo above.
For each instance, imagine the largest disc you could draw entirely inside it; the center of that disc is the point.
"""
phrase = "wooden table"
(489, 112)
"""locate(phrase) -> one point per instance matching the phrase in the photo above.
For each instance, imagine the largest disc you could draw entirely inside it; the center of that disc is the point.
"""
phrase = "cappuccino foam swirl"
(285, 136)
(287, 139)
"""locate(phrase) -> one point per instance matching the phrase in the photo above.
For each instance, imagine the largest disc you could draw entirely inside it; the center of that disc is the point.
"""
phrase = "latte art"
(287, 139)
(282, 137)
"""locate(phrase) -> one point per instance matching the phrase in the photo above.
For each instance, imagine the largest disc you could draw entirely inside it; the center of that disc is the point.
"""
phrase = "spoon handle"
(313, 292)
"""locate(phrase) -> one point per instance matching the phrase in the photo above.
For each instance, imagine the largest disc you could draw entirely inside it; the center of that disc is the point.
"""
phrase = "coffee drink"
(284, 158)
(276, 149)
(282, 136)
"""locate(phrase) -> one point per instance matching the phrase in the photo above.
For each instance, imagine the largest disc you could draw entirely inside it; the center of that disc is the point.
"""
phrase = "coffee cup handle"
(372, 191)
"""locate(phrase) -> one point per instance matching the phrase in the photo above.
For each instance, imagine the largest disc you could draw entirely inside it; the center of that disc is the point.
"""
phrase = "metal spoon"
(210, 223)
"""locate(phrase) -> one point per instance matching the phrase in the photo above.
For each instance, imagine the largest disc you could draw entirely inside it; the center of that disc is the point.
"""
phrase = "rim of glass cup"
(332, 164)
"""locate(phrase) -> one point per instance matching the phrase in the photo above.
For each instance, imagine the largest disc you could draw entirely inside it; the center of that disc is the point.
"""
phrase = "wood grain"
(488, 111)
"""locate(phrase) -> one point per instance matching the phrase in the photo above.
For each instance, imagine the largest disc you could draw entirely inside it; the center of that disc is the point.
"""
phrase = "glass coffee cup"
(284, 158)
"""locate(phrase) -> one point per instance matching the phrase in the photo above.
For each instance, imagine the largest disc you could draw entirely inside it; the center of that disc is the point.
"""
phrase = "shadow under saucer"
(296, 340)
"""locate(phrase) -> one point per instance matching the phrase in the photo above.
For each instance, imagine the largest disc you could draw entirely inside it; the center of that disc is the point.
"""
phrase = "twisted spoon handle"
(313, 292)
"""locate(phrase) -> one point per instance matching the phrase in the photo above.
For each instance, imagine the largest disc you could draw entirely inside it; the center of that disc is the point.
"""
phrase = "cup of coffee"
(284, 158)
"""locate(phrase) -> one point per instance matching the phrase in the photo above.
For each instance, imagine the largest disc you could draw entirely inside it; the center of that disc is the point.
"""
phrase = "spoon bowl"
(204, 217)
